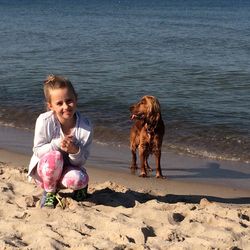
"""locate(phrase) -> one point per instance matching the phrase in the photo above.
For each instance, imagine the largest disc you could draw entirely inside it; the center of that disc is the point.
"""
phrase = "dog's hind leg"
(148, 167)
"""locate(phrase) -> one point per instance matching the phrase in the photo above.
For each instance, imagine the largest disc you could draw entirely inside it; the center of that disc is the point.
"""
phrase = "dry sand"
(122, 212)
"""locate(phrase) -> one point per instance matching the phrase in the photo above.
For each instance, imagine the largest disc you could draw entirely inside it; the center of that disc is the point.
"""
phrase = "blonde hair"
(56, 82)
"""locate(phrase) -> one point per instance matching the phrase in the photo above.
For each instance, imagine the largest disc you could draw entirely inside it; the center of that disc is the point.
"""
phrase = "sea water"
(194, 56)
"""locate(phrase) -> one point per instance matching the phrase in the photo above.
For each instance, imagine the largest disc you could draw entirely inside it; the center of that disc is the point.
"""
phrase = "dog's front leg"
(158, 164)
(133, 163)
(142, 155)
(147, 165)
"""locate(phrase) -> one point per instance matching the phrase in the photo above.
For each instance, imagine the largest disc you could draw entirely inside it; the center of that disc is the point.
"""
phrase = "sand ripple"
(115, 217)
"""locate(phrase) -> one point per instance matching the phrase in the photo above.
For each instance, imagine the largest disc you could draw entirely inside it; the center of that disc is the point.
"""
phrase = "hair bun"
(50, 78)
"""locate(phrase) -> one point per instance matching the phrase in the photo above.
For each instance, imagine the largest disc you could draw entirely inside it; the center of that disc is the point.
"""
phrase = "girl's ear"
(49, 106)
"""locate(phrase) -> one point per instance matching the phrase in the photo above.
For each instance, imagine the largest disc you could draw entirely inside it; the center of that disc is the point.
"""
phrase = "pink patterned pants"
(51, 174)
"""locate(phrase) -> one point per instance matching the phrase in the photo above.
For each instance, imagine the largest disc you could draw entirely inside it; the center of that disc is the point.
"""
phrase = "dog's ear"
(157, 117)
(154, 118)
(153, 105)
(154, 113)
(152, 122)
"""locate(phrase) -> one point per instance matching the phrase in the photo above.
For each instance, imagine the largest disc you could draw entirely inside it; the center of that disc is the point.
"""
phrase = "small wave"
(13, 125)
(10, 124)
(205, 154)
(101, 143)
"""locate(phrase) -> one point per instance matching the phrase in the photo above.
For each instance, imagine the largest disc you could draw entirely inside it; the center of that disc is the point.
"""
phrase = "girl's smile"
(63, 103)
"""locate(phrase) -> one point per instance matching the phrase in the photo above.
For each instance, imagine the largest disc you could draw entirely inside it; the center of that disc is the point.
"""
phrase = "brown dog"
(146, 133)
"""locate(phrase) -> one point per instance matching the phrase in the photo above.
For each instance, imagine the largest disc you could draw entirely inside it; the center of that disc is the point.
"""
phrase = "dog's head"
(147, 109)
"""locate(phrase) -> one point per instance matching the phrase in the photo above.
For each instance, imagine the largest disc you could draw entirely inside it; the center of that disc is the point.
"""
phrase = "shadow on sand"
(211, 170)
(128, 199)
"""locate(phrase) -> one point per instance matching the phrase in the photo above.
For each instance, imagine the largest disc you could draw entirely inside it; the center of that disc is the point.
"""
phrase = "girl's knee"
(75, 179)
(51, 163)
(81, 179)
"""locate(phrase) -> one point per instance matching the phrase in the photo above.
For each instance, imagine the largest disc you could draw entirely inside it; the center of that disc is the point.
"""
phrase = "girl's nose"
(65, 105)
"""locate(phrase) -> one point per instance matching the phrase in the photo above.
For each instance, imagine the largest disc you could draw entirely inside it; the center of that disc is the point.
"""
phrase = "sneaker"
(49, 200)
(81, 194)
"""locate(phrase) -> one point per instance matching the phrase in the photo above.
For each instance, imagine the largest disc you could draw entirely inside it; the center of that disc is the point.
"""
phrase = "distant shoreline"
(195, 189)
(176, 167)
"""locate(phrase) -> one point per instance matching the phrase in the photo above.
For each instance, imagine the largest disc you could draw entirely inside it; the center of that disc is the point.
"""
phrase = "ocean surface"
(194, 56)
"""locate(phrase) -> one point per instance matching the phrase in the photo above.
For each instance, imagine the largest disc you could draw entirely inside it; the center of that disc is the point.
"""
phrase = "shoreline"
(179, 190)
(175, 167)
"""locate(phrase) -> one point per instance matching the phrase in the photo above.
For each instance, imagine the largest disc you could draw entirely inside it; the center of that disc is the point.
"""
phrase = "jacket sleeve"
(43, 142)
(82, 155)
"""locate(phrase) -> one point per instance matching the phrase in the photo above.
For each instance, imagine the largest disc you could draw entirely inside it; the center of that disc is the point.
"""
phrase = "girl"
(61, 143)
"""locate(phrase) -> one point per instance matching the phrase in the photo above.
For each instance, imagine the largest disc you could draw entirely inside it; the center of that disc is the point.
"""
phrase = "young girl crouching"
(62, 142)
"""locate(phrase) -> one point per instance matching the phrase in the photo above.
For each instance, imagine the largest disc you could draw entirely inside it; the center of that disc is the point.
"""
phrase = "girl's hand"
(68, 146)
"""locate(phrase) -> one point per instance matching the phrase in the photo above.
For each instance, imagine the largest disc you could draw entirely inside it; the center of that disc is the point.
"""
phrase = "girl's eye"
(69, 101)
(59, 103)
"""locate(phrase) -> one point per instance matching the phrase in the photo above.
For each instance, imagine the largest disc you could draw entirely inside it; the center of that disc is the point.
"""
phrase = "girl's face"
(63, 103)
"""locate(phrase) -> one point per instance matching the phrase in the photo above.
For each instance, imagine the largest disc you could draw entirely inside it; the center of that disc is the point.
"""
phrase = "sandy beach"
(123, 211)
(194, 57)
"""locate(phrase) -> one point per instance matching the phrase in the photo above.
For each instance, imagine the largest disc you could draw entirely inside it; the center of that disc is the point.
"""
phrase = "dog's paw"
(160, 176)
(143, 174)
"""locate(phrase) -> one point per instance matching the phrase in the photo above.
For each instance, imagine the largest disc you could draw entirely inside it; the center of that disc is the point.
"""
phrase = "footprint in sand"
(176, 218)
(14, 241)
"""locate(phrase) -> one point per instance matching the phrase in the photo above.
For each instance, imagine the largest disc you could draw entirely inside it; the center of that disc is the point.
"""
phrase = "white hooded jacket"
(48, 134)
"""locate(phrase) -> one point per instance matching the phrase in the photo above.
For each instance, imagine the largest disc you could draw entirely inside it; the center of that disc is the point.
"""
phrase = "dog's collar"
(150, 131)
